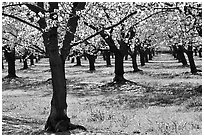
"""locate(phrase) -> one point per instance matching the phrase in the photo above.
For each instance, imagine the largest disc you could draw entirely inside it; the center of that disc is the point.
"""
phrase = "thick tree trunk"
(58, 119)
(58, 114)
(10, 57)
(119, 68)
(91, 59)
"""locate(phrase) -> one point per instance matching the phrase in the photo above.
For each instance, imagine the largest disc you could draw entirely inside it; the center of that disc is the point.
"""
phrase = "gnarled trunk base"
(60, 124)
(119, 79)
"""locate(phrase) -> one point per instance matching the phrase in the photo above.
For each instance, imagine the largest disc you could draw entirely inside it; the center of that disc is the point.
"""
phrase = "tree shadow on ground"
(16, 126)
(22, 82)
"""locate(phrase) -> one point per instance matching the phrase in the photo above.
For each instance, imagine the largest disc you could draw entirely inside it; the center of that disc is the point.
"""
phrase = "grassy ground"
(166, 99)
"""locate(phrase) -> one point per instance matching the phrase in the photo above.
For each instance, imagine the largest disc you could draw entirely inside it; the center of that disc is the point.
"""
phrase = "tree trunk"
(153, 52)
(200, 53)
(149, 53)
(189, 53)
(2, 64)
(91, 59)
(25, 64)
(58, 114)
(72, 60)
(142, 57)
(20, 59)
(134, 63)
(31, 59)
(78, 59)
(196, 51)
(146, 55)
(58, 120)
(175, 51)
(126, 57)
(181, 56)
(119, 68)
(107, 58)
(104, 55)
(10, 57)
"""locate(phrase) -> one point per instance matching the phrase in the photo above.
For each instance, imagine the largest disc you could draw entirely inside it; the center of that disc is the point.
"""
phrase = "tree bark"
(146, 55)
(107, 58)
(58, 113)
(175, 51)
(126, 57)
(119, 68)
(200, 52)
(149, 53)
(142, 57)
(31, 59)
(10, 57)
(189, 53)
(25, 64)
(91, 59)
(58, 119)
(78, 61)
(181, 55)
(134, 63)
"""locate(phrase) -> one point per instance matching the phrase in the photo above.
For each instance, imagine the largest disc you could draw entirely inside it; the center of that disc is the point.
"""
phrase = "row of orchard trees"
(124, 28)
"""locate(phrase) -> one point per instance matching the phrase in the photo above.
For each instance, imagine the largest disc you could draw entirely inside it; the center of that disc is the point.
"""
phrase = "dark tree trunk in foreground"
(10, 57)
(119, 68)
(58, 114)
(91, 59)
(58, 120)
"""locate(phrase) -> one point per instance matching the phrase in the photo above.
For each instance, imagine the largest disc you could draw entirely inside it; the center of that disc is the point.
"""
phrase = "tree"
(58, 119)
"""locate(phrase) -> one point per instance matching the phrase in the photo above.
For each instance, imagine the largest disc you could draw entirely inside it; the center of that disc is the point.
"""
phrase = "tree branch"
(34, 47)
(114, 25)
(10, 33)
(23, 21)
(28, 5)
